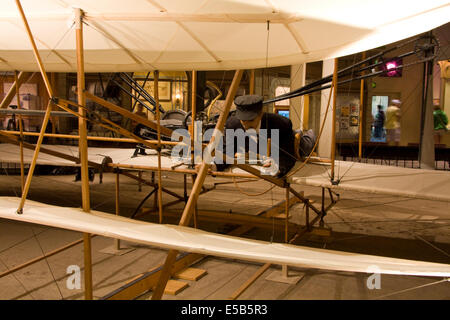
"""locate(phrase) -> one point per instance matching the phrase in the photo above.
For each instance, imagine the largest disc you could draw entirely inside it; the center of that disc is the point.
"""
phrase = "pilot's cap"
(248, 107)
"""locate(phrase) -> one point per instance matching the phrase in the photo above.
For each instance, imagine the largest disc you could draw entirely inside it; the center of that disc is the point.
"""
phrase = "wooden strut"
(63, 104)
(117, 241)
(141, 120)
(333, 124)
(202, 172)
(283, 184)
(361, 112)
(151, 184)
(83, 148)
(33, 162)
(166, 205)
(181, 171)
(22, 169)
(80, 72)
(4, 136)
(21, 78)
(158, 116)
(193, 131)
(47, 112)
(251, 88)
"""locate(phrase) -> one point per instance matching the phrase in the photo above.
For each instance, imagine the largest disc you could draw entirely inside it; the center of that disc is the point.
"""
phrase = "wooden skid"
(174, 287)
(192, 274)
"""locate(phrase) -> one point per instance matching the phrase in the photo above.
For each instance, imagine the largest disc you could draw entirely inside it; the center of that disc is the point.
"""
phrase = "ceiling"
(142, 35)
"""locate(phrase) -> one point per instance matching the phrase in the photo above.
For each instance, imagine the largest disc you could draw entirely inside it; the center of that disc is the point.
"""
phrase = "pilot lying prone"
(249, 117)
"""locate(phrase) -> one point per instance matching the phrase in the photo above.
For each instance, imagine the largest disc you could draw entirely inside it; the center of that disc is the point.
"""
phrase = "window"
(278, 92)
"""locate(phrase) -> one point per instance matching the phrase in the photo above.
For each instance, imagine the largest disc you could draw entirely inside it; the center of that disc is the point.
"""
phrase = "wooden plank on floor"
(192, 274)
(174, 287)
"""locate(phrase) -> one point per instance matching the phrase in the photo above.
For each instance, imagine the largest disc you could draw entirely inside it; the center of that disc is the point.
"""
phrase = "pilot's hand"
(269, 167)
(267, 164)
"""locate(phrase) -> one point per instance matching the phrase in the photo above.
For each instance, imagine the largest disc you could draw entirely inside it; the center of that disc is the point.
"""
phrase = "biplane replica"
(138, 35)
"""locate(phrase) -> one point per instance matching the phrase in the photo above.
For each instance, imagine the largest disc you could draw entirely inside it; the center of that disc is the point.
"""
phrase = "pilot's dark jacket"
(286, 140)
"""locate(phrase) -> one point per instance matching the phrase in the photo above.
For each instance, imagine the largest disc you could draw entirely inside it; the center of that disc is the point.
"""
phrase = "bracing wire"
(46, 261)
(411, 289)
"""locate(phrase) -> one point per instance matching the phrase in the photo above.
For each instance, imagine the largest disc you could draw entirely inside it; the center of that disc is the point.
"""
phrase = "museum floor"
(361, 223)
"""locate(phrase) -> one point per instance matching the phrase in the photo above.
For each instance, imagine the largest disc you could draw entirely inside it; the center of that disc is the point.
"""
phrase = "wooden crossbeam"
(151, 124)
(91, 138)
(16, 140)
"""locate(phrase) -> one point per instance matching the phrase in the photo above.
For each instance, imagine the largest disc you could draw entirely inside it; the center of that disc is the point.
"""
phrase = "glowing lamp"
(393, 65)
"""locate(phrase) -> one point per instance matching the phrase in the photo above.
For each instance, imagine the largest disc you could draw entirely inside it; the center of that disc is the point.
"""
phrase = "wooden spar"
(22, 170)
(47, 112)
(34, 160)
(52, 118)
(158, 121)
(184, 171)
(63, 104)
(284, 267)
(193, 132)
(286, 209)
(193, 113)
(35, 51)
(361, 110)
(23, 77)
(202, 172)
(252, 82)
(165, 131)
(333, 124)
(277, 181)
(82, 143)
(93, 138)
(196, 208)
(143, 181)
(305, 112)
(15, 140)
(117, 241)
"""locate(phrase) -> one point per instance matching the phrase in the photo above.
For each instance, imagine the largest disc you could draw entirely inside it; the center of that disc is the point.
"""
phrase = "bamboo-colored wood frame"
(200, 173)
